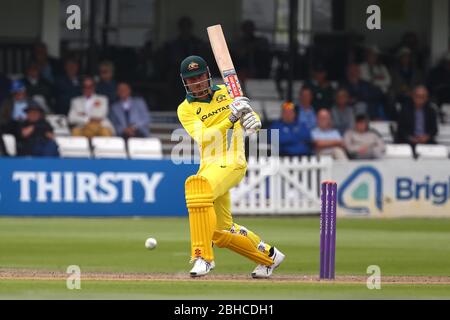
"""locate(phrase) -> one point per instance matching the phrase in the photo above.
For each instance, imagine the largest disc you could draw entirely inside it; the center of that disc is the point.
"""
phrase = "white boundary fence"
(281, 186)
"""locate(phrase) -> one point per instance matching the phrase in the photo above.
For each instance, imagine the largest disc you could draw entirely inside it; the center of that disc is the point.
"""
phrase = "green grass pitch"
(415, 248)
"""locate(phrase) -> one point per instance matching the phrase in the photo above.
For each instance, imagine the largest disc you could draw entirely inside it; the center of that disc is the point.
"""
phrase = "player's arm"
(197, 129)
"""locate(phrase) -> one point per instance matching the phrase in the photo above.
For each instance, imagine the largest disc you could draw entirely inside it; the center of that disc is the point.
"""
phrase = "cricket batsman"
(218, 124)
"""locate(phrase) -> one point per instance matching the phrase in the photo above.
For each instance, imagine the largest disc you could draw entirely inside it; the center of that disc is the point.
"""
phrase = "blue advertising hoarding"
(86, 187)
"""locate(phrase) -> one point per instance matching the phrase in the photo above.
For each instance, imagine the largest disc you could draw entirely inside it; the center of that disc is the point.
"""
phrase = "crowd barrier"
(279, 186)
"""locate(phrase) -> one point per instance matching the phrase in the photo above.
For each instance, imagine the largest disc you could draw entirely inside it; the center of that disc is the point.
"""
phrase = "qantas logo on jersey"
(213, 113)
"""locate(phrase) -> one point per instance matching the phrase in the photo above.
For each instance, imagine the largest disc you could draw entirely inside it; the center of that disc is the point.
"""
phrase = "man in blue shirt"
(305, 109)
(294, 137)
(327, 140)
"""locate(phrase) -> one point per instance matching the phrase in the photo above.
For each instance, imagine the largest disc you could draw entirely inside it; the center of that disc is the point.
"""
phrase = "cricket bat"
(223, 59)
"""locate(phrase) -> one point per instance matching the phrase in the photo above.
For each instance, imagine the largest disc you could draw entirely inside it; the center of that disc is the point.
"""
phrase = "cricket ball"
(150, 243)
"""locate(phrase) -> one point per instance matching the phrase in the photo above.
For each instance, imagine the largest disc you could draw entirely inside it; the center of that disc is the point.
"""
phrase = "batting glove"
(239, 106)
(250, 123)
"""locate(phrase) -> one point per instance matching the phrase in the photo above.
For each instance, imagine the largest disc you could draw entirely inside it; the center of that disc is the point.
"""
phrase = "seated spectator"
(417, 121)
(130, 116)
(364, 97)
(295, 138)
(89, 113)
(252, 53)
(305, 109)
(405, 76)
(322, 90)
(67, 86)
(38, 86)
(362, 143)
(342, 113)
(12, 111)
(326, 139)
(107, 86)
(375, 72)
(35, 135)
(48, 66)
(439, 81)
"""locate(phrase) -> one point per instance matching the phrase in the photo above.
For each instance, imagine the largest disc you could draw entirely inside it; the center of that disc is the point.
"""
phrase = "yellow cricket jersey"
(208, 124)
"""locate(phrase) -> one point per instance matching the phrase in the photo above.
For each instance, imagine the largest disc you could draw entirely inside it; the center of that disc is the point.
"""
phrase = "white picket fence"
(281, 186)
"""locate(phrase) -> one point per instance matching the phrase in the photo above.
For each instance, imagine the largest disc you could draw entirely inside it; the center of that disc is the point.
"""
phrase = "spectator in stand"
(322, 90)
(129, 115)
(405, 76)
(252, 53)
(342, 113)
(5, 85)
(48, 66)
(294, 137)
(326, 139)
(170, 56)
(439, 81)
(12, 111)
(364, 97)
(107, 86)
(417, 121)
(419, 53)
(67, 86)
(35, 135)
(375, 72)
(89, 113)
(362, 143)
(305, 110)
(38, 86)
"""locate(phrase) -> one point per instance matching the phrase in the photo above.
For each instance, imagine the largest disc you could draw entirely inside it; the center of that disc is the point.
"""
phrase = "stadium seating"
(145, 148)
(384, 129)
(10, 144)
(427, 151)
(272, 110)
(261, 89)
(446, 112)
(59, 124)
(398, 151)
(73, 147)
(109, 147)
(443, 136)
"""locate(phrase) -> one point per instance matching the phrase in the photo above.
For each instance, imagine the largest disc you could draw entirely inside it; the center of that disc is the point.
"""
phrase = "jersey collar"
(191, 99)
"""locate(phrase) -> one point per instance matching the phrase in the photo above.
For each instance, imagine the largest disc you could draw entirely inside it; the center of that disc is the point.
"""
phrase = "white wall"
(20, 19)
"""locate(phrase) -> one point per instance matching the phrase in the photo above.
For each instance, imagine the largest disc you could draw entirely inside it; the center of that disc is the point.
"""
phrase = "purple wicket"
(328, 229)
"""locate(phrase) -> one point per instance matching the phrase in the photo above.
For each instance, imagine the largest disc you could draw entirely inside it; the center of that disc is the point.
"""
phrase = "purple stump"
(322, 229)
(333, 231)
(328, 230)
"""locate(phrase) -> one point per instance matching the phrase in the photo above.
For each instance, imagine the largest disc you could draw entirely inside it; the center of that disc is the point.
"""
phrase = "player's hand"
(250, 123)
(240, 106)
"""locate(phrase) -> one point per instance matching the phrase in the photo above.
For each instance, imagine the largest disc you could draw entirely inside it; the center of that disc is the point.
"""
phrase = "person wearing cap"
(218, 124)
(35, 135)
(323, 92)
(295, 137)
(361, 142)
(374, 71)
(89, 113)
(405, 76)
(12, 110)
